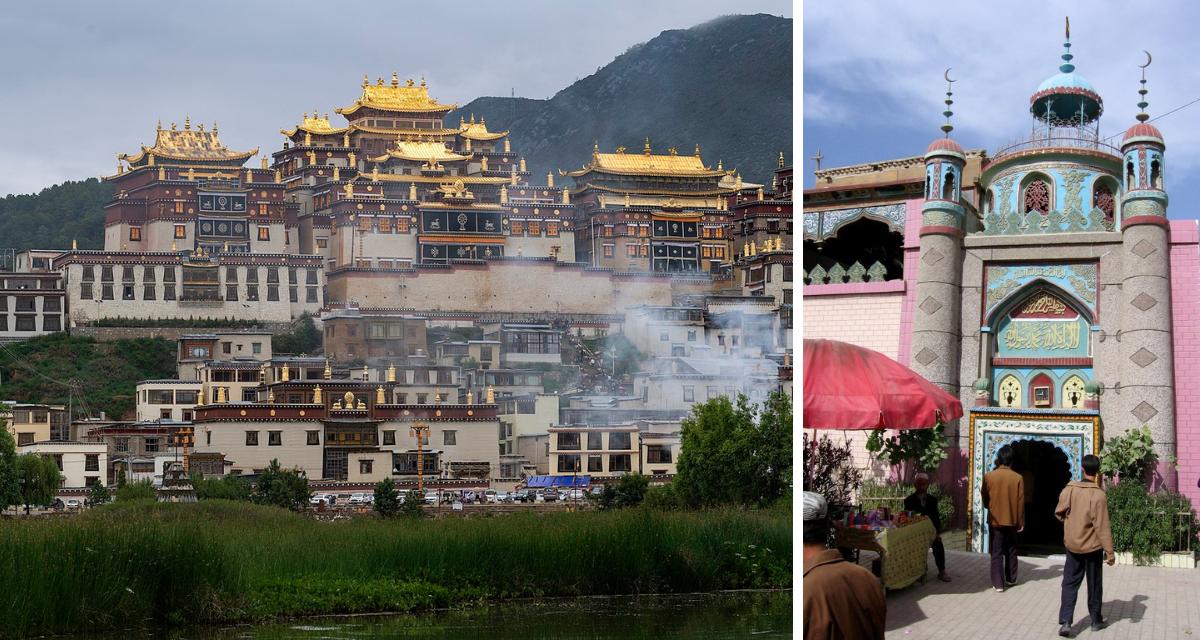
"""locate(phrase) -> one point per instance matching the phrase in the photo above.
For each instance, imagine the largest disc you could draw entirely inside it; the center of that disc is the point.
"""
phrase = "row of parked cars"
(467, 496)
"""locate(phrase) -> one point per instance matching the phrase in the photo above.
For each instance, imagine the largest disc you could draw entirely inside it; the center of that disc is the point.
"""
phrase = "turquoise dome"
(1064, 96)
(1066, 81)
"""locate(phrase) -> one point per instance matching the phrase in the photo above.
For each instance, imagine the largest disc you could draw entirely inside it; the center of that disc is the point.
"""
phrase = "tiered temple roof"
(407, 98)
(647, 164)
(187, 145)
(316, 125)
(420, 151)
(478, 130)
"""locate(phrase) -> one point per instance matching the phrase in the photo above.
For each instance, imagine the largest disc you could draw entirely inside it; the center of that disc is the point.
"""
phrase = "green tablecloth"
(905, 553)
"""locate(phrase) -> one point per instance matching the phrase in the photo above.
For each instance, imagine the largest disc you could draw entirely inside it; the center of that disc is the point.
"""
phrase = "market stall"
(847, 387)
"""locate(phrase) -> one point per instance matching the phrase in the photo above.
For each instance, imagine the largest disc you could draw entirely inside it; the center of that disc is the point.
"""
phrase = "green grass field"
(143, 564)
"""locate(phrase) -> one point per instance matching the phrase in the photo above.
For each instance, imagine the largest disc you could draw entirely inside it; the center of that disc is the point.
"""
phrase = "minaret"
(1147, 364)
(936, 335)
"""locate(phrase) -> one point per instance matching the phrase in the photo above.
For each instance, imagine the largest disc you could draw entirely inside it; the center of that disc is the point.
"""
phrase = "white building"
(79, 462)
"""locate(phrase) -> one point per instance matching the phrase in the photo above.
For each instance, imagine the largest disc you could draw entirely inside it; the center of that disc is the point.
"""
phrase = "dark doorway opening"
(1046, 471)
(864, 241)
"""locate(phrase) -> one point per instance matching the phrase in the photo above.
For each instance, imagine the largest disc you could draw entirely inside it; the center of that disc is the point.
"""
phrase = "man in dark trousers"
(1003, 494)
(842, 601)
(1083, 509)
(927, 505)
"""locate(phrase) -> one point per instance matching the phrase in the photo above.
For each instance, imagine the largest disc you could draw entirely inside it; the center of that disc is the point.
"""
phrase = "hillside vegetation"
(40, 370)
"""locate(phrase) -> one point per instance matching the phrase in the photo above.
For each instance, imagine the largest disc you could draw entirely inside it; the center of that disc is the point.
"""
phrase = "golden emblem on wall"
(1045, 304)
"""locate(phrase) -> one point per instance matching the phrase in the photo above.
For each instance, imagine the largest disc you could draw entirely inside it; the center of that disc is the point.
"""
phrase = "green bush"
(874, 495)
(140, 490)
(1130, 456)
(283, 488)
(629, 491)
(97, 494)
(1147, 525)
(413, 505)
(225, 488)
(387, 501)
(662, 497)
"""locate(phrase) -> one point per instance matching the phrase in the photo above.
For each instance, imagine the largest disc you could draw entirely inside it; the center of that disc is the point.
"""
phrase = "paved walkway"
(1139, 603)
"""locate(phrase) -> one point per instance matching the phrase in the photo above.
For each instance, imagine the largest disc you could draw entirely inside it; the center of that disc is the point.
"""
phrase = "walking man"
(1083, 509)
(842, 601)
(923, 503)
(1003, 494)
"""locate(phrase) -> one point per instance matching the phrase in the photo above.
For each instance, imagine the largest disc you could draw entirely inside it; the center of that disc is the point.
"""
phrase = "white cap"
(815, 507)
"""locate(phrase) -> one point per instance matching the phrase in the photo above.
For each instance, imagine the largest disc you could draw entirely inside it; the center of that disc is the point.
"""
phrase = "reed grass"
(142, 564)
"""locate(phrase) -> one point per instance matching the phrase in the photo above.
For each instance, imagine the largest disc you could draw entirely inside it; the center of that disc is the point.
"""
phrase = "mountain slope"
(725, 84)
(53, 217)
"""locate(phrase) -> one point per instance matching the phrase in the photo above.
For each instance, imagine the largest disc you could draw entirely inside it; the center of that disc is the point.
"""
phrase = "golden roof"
(647, 164)
(316, 125)
(477, 130)
(407, 98)
(359, 126)
(188, 144)
(422, 151)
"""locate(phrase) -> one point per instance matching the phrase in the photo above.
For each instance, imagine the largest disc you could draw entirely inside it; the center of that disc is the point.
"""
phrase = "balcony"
(1059, 140)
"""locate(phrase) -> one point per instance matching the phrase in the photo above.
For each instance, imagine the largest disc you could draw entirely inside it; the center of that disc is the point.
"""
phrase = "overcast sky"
(873, 76)
(84, 81)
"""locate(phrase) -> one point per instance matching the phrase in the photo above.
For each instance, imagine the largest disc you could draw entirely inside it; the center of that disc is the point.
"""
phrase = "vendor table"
(903, 550)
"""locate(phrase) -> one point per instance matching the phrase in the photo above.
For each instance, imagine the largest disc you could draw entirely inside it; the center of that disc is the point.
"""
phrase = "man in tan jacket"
(842, 601)
(1083, 509)
(1003, 494)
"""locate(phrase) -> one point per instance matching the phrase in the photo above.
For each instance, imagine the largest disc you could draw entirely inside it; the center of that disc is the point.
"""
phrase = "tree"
(829, 470)
(282, 488)
(99, 494)
(629, 491)
(1129, 457)
(736, 454)
(226, 488)
(304, 337)
(411, 506)
(920, 448)
(9, 492)
(38, 479)
(387, 500)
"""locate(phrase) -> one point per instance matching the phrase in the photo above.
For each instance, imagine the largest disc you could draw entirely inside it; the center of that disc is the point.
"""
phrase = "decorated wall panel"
(1071, 205)
(1003, 282)
(819, 225)
(460, 222)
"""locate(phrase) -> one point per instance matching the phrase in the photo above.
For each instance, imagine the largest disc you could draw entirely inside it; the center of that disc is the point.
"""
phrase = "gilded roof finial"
(720, 165)
(366, 80)
(781, 160)
(410, 82)
(379, 81)
(697, 149)
(395, 79)
(187, 122)
(172, 126)
(646, 149)
(74, 244)
(200, 126)
(595, 147)
(422, 80)
(214, 127)
(160, 124)
(947, 128)
(1142, 116)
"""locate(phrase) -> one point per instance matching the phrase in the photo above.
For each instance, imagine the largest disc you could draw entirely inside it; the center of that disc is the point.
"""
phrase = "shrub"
(282, 488)
(387, 501)
(1147, 525)
(1130, 456)
(97, 495)
(662, 497)
(829, 470)
(629, 491)
(225, 488)
(411, 506)
(922, 448)
(38, 478)
(140, 490)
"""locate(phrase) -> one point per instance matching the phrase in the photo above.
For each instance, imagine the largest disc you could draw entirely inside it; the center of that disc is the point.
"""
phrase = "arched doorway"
(1046, 471)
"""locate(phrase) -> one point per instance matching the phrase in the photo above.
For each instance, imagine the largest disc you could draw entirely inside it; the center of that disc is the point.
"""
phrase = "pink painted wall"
(1185, 319)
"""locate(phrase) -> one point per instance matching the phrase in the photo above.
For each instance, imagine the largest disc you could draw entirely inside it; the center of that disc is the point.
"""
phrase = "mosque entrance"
(1046, 471)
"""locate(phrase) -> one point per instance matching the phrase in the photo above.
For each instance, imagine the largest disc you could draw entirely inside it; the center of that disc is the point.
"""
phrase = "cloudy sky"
(85, 81)
(873, 76)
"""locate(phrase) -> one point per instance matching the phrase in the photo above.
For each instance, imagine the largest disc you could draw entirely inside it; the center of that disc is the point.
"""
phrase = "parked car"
(572, 494)
(469, 497)
(73, 504)
(318, 499)
(550, 495)
(501, 497)
(521, 495)
(450, 497)
(359, 498)
(431, 497)
(597, 490)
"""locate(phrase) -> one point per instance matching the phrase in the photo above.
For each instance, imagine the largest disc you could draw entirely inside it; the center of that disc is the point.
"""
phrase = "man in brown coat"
(1003, 494)
(841, 600)
(1083, 509)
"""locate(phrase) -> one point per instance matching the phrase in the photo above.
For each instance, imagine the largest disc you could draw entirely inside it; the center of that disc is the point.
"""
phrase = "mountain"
(725, 84)
(55, 216)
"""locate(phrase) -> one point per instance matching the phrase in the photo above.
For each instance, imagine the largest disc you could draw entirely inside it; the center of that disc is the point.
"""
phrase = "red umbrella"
(849, 387)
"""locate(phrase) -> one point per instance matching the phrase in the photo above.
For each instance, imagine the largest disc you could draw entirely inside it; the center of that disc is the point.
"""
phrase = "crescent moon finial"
(947, 74)
(1148, 59)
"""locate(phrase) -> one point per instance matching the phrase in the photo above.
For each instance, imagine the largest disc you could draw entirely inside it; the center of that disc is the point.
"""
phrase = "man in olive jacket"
(1003, 494)
(842, 601)
(1083, 509)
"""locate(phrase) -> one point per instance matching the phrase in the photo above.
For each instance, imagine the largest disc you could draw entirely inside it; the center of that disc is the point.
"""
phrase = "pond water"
(711, 616)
